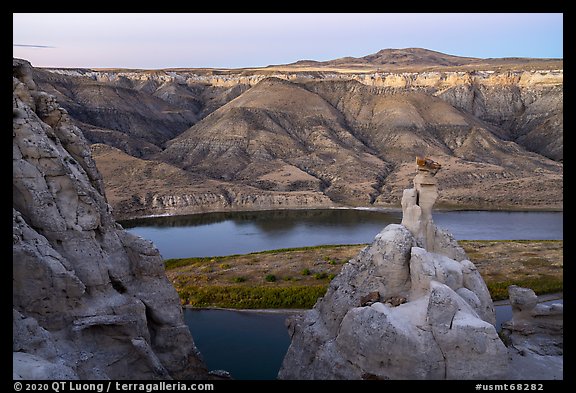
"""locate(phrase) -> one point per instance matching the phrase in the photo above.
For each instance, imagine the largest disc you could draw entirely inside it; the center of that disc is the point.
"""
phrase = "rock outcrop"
(90, 300)
(535, 337)
(409, 306)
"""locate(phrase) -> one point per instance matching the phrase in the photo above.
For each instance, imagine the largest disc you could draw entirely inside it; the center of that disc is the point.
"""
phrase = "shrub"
(239, 279)
(320, 276)
(331, 261)
(174, 263)
(305, 272)
(270, 278)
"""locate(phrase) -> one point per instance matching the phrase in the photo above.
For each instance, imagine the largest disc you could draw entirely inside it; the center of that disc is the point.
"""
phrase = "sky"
(237, 40)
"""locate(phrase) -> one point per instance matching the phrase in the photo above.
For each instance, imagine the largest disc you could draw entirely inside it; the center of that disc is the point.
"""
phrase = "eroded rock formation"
(90, 300)
(535, 336)
(409, 306)
(525, 100)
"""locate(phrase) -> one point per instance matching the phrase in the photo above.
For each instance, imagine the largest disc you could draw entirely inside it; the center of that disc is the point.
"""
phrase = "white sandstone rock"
(535, 337)
(444, 331)
(89, 300)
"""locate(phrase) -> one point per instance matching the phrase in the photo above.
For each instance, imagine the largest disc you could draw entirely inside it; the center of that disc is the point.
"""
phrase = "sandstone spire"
(408, 306)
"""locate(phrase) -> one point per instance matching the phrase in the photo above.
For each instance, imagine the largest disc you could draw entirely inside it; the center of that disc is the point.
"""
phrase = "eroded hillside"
(313, 134)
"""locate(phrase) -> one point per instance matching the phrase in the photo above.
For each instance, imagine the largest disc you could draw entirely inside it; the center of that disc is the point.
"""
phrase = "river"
(216, 234)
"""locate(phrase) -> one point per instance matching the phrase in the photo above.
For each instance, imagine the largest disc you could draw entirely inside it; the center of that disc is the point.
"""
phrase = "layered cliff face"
(90, 300)
(525, 103)
(134, 112)
(317, 134)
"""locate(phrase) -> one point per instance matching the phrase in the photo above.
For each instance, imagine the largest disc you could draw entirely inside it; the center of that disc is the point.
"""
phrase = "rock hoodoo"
(409, 306)
(90, 300)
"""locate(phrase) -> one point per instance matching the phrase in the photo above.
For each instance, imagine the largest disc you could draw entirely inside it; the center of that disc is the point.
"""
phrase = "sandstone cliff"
(525, 102)
(90, 301)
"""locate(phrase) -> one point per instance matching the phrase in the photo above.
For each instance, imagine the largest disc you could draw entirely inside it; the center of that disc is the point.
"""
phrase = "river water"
(217, 234)
(251, 345)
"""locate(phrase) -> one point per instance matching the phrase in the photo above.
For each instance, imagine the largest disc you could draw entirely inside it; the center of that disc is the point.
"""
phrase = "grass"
(296, 277)
(541, 285)
(178, 262)
(252, 297)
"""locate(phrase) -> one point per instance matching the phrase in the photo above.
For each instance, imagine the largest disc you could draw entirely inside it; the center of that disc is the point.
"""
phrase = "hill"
(313, 134)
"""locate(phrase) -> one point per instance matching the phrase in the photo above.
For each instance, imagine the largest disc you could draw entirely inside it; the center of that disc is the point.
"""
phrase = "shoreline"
(382, 209)
(251, 310)
(302, 273)
(497, 303)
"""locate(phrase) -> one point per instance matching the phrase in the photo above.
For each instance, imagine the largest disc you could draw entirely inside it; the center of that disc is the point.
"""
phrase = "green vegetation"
(331, 261)
(296, 277)
(252, 297)
(541, 285)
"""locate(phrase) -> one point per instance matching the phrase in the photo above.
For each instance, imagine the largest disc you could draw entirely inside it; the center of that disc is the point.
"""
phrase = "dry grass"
(520, 259)
(536, 264)
(301, 266)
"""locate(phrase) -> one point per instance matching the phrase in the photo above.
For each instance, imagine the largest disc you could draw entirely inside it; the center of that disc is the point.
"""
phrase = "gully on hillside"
(317, 135)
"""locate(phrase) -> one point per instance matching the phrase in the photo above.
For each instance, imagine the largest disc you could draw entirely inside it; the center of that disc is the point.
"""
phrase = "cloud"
(33, 46)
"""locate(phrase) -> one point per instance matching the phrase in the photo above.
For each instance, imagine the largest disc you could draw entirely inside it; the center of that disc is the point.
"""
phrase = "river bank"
(296, 277)
(441, 207)
(497, 303)
(241, 233)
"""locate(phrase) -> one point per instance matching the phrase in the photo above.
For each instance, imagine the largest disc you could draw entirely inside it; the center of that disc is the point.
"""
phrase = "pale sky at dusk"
(166, 40)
